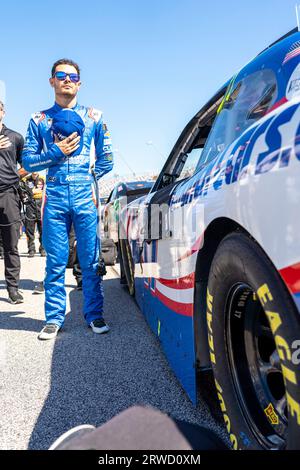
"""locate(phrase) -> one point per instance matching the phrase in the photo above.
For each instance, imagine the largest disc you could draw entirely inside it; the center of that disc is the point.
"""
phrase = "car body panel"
(119, 197)
(254, 182)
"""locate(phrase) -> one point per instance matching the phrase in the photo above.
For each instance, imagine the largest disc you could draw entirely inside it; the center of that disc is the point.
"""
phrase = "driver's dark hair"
(64, 62)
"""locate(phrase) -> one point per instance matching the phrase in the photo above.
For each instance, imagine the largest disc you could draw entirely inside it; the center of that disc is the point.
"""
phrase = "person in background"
(73, 261)
(1, 247)
(33, 217)
(11, 146)
(59, 139)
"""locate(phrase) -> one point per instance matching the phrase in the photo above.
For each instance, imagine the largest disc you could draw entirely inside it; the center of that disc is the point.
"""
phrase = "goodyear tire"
(127, 265)
(252, 325)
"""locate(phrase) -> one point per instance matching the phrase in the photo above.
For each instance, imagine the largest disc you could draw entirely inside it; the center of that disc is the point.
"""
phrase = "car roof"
(277, 49)
(290, 33)
(272, 55)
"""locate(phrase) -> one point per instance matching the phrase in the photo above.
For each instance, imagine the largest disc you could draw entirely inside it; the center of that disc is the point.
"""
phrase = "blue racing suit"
(69, 198)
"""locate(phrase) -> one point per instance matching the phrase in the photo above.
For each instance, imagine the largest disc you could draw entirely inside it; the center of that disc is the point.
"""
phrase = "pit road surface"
(48, 387)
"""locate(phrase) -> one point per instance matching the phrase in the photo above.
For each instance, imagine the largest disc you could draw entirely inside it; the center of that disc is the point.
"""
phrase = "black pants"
(10, 221)
(1, 244)
(32, 219)
(73, 260)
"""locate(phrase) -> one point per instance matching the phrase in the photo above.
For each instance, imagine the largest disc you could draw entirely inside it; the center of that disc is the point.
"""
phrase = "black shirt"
(9, 158)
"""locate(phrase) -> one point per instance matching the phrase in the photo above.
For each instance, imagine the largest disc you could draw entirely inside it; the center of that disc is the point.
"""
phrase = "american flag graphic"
(293, 51)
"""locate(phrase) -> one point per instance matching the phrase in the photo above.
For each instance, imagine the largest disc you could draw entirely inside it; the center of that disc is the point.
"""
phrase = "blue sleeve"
(104, 161)
(33, 156)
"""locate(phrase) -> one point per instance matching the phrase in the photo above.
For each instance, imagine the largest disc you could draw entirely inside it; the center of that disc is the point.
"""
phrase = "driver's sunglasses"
(74, 77)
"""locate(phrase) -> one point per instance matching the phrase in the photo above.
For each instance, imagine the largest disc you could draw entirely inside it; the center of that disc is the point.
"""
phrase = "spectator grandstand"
(107, 184)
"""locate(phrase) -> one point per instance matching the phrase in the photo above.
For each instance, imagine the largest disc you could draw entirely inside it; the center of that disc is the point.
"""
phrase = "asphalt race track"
(48, 387)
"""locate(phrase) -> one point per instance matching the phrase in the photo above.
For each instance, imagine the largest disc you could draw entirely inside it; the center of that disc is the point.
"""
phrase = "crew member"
(35, 183)
(11, 146)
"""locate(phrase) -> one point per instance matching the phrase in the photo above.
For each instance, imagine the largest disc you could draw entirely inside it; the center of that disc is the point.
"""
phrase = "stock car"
(123, 193)
(212, 253)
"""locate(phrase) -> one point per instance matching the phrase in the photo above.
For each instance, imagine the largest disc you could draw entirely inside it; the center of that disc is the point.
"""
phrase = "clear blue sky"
(148, 65)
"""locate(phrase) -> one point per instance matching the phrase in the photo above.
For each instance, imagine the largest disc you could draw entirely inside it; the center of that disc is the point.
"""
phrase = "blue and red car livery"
(212, 253)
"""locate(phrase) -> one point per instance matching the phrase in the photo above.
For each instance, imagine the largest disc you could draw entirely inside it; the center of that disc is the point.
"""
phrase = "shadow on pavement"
(25, 284)
(11, 321)
(94, 377)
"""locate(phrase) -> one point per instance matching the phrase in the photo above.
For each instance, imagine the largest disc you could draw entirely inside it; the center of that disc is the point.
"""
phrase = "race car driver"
(66, 155)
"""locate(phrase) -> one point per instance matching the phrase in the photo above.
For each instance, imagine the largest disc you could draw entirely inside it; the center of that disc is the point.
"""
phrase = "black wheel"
(252, 325)
(108, 252)
(127, 265)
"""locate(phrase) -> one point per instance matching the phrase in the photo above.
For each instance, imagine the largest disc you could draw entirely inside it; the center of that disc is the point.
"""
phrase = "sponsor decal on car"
(271, 414)
(293, 51)
(293, 87)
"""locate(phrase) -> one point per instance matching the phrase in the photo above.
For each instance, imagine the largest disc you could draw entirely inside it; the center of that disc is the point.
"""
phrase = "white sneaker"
(49, 331)
(99, 326)
(77, 432)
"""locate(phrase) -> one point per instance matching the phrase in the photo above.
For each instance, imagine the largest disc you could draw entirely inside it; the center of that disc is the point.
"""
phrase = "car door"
(164, 271)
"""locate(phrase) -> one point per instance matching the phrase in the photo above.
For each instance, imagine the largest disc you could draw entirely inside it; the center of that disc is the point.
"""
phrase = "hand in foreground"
(69, 144)
(22, 172)
(4, 142)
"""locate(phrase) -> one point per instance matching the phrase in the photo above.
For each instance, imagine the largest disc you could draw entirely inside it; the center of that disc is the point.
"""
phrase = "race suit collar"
(57, 107)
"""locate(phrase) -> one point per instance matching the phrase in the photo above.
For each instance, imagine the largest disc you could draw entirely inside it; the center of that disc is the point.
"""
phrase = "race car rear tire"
(127, 265)
(253, 325)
